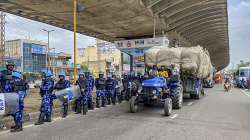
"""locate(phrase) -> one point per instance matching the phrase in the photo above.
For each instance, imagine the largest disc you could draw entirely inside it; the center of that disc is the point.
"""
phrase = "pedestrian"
(46, 90)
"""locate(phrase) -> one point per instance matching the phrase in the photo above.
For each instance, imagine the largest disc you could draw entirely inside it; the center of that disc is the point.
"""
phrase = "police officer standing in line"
(60, 85)
(90, 93)
(100, 90)
(6, 77)
(20, 87)
(5, 80)
(82, 101)
(110, 89)
(46, 90)
(11, 81)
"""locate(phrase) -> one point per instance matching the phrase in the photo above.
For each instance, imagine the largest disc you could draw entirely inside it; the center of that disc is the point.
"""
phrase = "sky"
(62, 40)
(239, 31)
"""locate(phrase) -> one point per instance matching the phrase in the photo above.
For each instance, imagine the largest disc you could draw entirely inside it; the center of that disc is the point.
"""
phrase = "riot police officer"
(110, 89)
(11, 81)
(100, 90)
(91, 85)
(6, 78)
(60, 85)
(82, 101)
(46, 90)
(20, 87)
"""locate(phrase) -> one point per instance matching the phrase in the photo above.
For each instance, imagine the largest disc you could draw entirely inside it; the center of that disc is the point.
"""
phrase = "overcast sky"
(62, 40)
(239, 30)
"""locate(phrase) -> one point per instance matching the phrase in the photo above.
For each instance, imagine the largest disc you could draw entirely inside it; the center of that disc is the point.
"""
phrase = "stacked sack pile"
(192, 61)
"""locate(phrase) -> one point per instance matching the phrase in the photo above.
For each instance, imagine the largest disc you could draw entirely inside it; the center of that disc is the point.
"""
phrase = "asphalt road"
(216, 116)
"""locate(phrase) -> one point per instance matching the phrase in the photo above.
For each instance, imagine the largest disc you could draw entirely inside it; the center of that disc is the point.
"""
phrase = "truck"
(194, 66)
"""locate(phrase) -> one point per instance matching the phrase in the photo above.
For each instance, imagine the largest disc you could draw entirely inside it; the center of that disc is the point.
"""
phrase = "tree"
(84, 67)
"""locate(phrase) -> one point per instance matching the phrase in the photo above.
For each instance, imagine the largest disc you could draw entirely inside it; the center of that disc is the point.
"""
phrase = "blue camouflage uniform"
(60, 85)
(90, 87)
(47, 98)
(20, 87)
(110, 89)
(100, 90)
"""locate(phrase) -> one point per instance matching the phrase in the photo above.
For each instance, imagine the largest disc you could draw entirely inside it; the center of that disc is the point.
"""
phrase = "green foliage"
(31, 76)
(84, 67)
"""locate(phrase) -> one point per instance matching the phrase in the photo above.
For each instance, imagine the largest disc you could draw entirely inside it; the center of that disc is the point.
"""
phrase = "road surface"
(216, 116)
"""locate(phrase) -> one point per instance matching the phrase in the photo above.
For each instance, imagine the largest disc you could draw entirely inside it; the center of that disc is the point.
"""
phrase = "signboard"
(2, 104)
(142, 43)
(106, 47)
(81, 52)
(78, 66)
(38, 49)
(138, 55)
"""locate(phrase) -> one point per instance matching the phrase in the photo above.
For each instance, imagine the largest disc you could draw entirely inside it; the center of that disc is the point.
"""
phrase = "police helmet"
(10, 63)
(81, 73)
(109, 75)
(62, 73)
(47, 73)
(17, 75)
(101, 72)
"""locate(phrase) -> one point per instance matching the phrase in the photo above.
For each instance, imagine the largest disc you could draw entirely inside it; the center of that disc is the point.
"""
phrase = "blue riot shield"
(69, 94)
(9, 103)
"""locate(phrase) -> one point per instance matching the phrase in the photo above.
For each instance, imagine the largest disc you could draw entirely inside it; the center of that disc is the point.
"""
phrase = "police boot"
(113, 98)
(98, 102)
(109, 100)
(48, 117)
(85, 108)
(78, 106)
(15, 126)
(65, 110)
(90, 104)
(120, 98)
(104, 102)
(40, 119)
(17, 129)
(19, 126)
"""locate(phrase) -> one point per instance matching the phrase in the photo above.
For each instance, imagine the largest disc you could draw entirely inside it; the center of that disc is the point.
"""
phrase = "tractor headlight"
(157, 85)
(154, 91)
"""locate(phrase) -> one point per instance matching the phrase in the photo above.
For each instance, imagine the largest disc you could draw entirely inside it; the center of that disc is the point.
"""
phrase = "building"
(28, 55)
(61, 61)
(104, 56)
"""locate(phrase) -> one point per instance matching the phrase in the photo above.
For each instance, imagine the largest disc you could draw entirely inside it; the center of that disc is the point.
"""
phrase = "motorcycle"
(227, 86)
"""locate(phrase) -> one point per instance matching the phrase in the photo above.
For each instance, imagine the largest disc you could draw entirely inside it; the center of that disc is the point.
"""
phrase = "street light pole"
(47, 49)
(75, 10)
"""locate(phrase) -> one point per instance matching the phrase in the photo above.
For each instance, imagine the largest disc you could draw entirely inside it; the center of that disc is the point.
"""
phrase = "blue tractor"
(156, 90)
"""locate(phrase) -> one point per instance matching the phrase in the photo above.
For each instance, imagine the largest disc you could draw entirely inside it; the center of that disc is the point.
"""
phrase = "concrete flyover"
(191, 22)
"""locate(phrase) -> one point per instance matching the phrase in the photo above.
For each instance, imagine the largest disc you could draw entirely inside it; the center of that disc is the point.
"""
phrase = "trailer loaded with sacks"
(194, 66)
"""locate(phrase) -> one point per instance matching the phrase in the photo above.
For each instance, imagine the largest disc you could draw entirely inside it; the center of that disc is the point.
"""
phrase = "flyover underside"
(191, 22)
